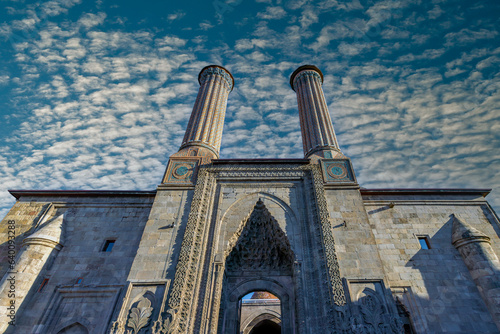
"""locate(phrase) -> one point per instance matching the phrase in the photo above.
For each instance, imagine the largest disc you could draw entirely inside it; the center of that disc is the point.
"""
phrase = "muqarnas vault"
(254, 246)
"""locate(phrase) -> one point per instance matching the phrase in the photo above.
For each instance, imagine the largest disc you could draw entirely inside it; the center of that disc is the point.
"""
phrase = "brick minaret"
(204, 129)
(203, 136)
(318, 136)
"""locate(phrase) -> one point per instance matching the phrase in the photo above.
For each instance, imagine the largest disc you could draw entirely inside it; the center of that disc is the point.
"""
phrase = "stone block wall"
(84, 283)
(433, 284)
(24, 216)
(354, 240)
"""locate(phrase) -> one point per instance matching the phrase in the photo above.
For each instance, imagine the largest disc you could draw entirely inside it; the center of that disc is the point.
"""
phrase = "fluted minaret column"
(207, 119)
(203, 136)
(482, 262)
(318, 136)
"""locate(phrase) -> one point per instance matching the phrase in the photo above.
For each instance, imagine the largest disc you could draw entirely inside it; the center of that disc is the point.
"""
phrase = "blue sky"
(97, 94)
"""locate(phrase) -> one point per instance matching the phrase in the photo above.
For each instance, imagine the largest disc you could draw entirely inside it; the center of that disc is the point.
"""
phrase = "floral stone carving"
(139, 316)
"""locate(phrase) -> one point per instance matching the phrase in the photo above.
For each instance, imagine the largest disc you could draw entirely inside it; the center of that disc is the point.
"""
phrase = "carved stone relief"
(371, 310)
(259, 245)
(143, 302)
(139, 315)
(187, 268)
(189, 279)
(336, 286)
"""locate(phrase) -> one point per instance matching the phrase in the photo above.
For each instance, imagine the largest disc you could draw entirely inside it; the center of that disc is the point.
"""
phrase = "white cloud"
(90, 20)
(4, 79)
(176, 16)
(426, 54)
(205, 25)
(308, 17)
(106, 108)
(435, 12)
(272, 13)
(466, 36)
(339, 30)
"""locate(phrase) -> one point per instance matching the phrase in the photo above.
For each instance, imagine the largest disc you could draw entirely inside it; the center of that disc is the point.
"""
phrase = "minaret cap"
(303, 68)
(222, 68)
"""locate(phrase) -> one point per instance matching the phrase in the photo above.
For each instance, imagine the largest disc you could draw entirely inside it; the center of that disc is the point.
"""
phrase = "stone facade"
(340, 258)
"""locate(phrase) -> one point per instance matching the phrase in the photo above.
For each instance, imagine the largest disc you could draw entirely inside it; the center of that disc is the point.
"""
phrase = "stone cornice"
(265, 162)
(423, 191)
(217, 70)
(83, 193)
(42, 242)
(305, 68)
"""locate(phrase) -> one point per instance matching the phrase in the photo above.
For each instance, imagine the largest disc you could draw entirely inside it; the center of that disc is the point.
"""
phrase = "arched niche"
(74, 328)
(279, 209)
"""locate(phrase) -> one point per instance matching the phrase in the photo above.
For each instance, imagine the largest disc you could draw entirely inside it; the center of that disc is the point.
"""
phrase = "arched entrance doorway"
(260, 312)
(259, 258)
(266, 327)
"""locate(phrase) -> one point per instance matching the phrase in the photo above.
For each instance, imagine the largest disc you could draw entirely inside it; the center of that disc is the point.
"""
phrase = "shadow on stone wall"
(4, 247)
(492, 217)
(20, 274)
(454, 303)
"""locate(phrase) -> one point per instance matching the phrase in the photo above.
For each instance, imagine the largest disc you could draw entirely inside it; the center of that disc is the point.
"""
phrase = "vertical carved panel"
(373, 309)
(181, 297)
(328, 241)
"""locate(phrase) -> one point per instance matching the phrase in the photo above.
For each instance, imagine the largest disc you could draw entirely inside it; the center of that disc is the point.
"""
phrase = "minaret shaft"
(203, 135)
(207, 119)
(315, 122)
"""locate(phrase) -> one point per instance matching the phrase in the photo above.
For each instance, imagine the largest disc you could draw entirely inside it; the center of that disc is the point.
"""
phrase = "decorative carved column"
(482, 262)
(318, 136)
(203, 135)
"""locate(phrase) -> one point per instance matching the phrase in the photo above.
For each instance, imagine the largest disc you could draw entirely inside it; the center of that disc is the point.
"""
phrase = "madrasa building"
(251, 245)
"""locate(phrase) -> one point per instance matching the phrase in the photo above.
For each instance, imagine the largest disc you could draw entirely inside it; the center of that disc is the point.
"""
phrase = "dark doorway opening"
(266, 327)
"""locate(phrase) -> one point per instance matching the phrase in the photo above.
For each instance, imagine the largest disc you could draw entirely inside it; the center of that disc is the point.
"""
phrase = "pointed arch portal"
(259, 258)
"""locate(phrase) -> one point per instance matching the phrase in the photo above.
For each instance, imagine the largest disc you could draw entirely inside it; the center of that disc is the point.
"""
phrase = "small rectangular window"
(424, 242)
(44, 283)
(108, 246)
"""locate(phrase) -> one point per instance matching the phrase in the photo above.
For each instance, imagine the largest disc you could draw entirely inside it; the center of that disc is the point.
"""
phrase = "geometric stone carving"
(337, 171)
(187, 269)
(323, 216)
(182, 170)
(259, 244)
(178, 317)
